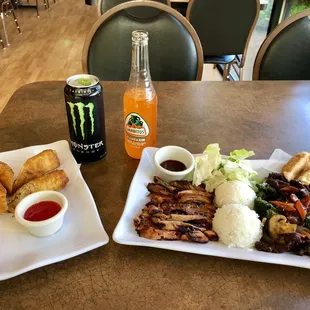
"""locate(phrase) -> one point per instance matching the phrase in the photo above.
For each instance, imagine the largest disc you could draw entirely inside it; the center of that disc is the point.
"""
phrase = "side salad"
(211, 169)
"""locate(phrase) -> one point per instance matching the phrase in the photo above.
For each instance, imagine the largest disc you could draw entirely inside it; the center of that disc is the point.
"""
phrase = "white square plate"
(82, 229)
(137, 197)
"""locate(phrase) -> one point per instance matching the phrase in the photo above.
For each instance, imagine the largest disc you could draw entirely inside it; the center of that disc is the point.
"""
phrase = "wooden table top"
(259, 116)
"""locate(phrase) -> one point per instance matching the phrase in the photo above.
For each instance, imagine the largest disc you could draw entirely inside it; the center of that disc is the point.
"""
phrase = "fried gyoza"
(295, 166)
(305, 177)
(36, 166)
(3, 204)
(53, 181)
(6, 176)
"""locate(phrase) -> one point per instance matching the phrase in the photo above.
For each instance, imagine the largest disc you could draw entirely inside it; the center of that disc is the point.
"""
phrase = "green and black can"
(85, 112)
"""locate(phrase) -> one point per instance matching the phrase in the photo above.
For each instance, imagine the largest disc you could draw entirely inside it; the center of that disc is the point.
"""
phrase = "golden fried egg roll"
(36, 166)
(295, 166)
(3, 204)
(6, 176)
(53, 181)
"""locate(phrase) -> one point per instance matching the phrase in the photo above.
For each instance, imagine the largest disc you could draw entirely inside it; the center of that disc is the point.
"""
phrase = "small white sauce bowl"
(172, 152)
(47, 227)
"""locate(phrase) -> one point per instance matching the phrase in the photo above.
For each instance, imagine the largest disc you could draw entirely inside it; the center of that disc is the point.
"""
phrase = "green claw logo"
(80, 106)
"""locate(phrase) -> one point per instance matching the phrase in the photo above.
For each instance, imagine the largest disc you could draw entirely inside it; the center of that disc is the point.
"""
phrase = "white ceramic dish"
(137, 196)
(82, 229)
(47, 227)
(171, 152)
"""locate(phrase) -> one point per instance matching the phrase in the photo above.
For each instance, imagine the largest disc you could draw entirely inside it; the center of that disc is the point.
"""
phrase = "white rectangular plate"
(82, 229)
(137, 197)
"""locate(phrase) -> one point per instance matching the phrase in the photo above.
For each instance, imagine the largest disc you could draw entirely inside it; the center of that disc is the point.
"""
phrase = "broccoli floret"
(264, 208)
(267, 192)
(307, 221)
(271, 212)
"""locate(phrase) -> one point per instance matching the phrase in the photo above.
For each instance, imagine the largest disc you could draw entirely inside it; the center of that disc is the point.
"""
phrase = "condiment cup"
(172, 152)
(47, 227)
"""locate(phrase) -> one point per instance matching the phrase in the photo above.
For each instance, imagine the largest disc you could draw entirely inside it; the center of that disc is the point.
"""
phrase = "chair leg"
(15, 19)
(4, 29)
(45, 4)
(226, 72)
(240, 74)
(37, 6)
(2, 42)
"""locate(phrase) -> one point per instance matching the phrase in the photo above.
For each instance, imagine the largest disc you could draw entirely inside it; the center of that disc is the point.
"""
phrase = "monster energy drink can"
(85, 111)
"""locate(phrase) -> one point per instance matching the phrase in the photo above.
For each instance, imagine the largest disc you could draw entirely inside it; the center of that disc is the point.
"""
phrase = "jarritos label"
(136, 127)
(83, 110)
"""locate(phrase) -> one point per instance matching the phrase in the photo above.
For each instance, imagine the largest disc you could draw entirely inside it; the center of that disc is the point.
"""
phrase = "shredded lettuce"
(213, 170)
(238, 155)
(206, 163)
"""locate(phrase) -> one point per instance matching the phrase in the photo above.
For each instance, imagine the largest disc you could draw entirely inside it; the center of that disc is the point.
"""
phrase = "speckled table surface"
(260, 116)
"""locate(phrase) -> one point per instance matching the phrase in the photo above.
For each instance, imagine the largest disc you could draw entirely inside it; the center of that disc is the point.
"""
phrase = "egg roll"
(35, 167)
(3, 204)
(295, 166)
(53, 181)
(6, 176)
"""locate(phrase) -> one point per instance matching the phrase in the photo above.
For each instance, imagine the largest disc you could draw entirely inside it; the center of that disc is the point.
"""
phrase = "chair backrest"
(105, 5)
(285, 53)
(175, 51)
(223, 26)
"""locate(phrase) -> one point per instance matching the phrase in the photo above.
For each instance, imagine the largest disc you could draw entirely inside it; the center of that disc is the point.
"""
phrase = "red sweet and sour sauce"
(41, 211)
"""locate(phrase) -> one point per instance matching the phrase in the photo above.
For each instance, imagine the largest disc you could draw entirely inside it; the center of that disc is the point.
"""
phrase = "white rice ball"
(234, 192)
(237, 226)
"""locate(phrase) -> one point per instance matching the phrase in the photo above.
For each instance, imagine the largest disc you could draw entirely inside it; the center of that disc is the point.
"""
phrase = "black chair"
(175, 51)
(105, 5)
(224, 28)
(285, 54)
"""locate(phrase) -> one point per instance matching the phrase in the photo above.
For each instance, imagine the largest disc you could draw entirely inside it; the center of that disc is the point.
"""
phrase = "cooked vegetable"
(307, 221)
(278, 225)
(267, 192)
(290, 189)
(300, 209)
(289, 207)
(264, 209)
(306, 201)
(293, 197)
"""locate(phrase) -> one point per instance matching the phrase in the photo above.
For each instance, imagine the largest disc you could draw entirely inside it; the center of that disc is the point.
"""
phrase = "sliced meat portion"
(157, 198)
(191, 195)
(179, 217)
(177, 211)
(158, 180)
(158, 189)
(185, 185)
(195, 236)
(158, 234)
(212, 235)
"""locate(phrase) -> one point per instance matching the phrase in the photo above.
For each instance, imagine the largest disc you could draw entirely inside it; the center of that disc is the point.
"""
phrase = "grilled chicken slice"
(158, 234)
(195, 236)
(185, 185)
(159, 189)
(212, 235)
(191, 195)
(156, 198)
(179, 217)
(158, 180)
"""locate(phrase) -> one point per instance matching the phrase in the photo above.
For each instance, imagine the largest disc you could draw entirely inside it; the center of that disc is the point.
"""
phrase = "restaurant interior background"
(50, 47)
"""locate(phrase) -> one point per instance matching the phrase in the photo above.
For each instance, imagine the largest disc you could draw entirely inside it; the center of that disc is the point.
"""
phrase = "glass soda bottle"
(140, 100)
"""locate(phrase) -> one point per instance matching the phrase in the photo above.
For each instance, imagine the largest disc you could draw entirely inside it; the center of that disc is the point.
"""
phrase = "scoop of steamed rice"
(234, 192)
(237, 226)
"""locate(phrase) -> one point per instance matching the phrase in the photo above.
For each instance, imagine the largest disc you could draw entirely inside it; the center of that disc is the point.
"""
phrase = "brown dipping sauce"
(173, 165)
